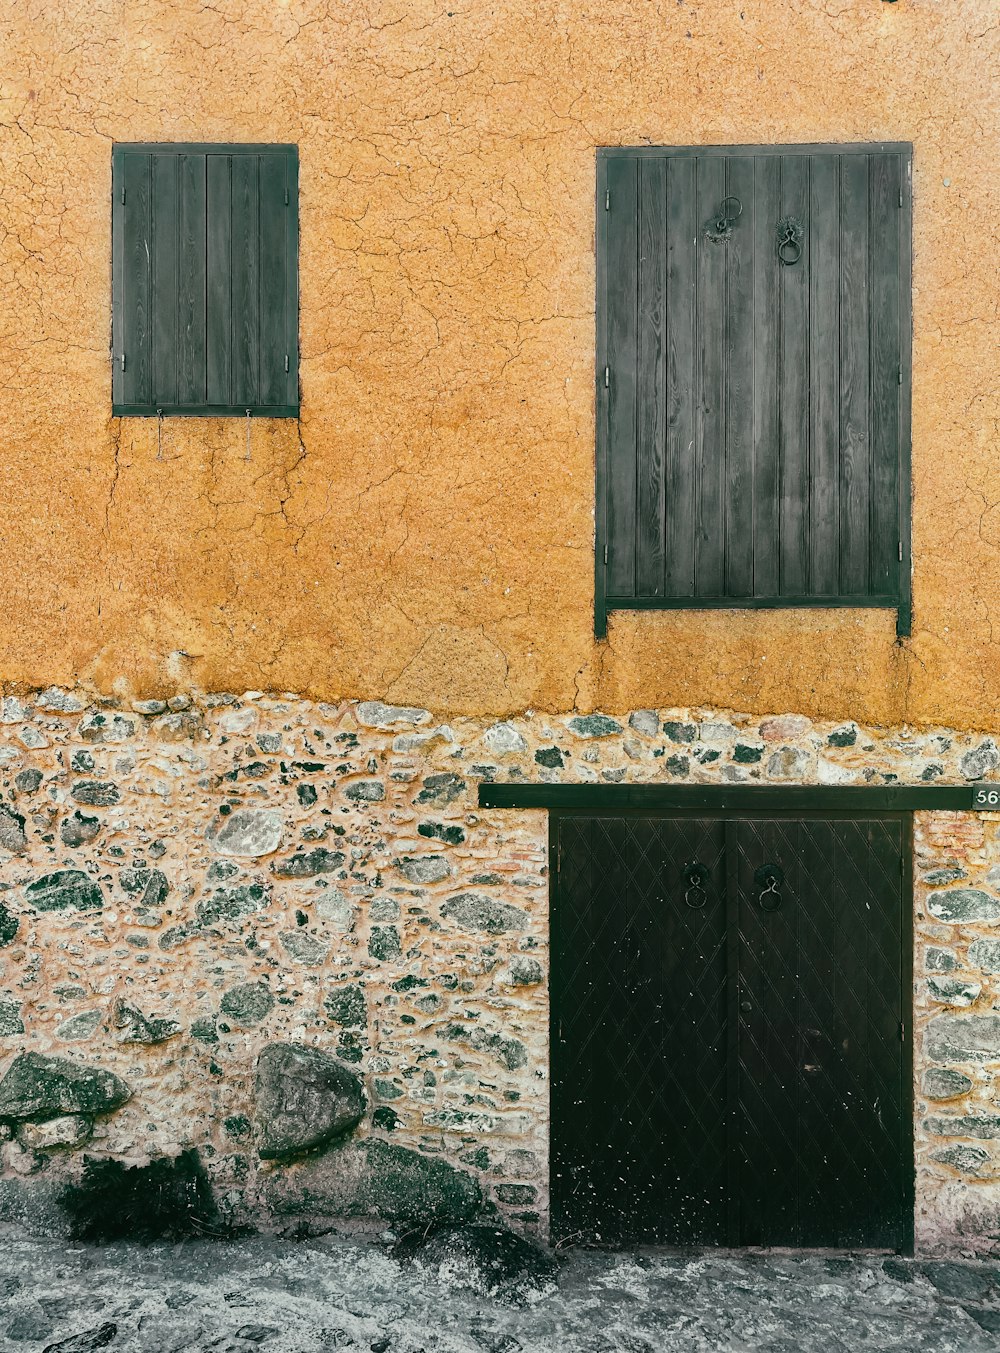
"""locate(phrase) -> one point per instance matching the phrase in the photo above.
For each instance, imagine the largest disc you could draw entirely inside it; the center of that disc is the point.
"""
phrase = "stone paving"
(286, 1296)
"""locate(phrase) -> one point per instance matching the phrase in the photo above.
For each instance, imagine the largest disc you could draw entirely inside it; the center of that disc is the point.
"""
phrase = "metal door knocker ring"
(720, 227)
(769, 878)
(694, 894)
(790, 234)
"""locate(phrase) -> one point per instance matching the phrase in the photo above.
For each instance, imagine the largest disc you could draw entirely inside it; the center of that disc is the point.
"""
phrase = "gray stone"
(365, 791)
(525, 971)
(10, 1017)
(550, 757)
(63, 702)
(845, 736)
(304, 1100)
(441, 831)
(347, 1006)
(383, 909)
(56, 1134)
(63, 890)
(28, 781)
(748, 754)
(96, 793)
(939, 878)
(139, 1028)
(424, 868)
(78, 829)
(784, 727)
(383, 943)
(645, 721)
(375, 714)
(985, 954)
(983, 1125)
(80, 1026)
(958, 905)
(230, 904)
(303, 947)
(953, 990)
(943, 1083)
(788, 763)
(478, 911)
(964, 1038)
(967, 1159)
(976, 763)
(12, 710)
(504, 739)
(680, 732)
(339, 911)
(375, 1178)
(594, 726)
(9, 925)
(40, 1087)
(248, 1003)
(510, 1051)
(940, 960)
(12, 834)
(150, 887)
(442, 789)
(306, 864)
(98, 727)
(149, 707)
(250, 832)
(269, 742)
(178, 727)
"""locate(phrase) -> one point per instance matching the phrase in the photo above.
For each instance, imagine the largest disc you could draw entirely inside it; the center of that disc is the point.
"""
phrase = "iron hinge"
(900, 197)
(899, 374)
(607, 377)
(123, 361)
(123, 197)
(286, 361)
(900, 544)
(605, 554)
(286, 197)
(902, 1032)
(607, 199)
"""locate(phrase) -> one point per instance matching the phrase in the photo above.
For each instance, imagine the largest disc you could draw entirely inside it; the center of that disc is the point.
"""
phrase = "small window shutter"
(205, 280)
(752, 412)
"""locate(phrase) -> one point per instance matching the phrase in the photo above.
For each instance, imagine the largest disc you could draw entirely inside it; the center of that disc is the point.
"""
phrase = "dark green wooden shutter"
(753, 414)
(205, 280)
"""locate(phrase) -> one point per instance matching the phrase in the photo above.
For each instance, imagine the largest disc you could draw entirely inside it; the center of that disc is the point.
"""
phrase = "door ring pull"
(694, 894)
(769, 878)
(785, 248)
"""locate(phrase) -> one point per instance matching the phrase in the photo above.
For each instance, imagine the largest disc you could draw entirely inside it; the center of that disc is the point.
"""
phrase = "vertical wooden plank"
(164, 243)
(766, 481)
(274, 317)
(710, 437)
(793, 385)
(740, 364)
(651, 378)
(246, 281)
(679, 508)
(883, 255)
(135, 342)
(854, 423)
(824, 375)
(191, 351)
(622, 359)
(292, 282)
(219, 280)
(904, 614)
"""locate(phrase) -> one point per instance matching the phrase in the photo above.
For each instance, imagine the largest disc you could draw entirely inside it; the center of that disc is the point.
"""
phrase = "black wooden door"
(729, 1038)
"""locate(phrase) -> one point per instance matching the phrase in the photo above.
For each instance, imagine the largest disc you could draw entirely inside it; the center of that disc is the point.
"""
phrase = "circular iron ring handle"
(695, 894)
(789, 242)
(769, 878)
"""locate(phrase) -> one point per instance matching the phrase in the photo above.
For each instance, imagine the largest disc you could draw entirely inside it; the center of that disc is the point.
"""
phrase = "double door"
(730, 1030)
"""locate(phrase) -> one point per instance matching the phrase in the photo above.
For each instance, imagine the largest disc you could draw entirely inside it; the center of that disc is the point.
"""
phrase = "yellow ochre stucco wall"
(424, 535)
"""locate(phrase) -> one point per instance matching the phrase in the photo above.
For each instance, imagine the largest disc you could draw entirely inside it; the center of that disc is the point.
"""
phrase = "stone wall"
(187, 883)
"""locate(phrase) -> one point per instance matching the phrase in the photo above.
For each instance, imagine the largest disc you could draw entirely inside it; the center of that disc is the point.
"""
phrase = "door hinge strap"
(900, 551)
(607, 377)
(286, 197)
(605, 554)
(607, 200)
(902, 1032)
(899, 374)
(123, 361)
(900, 197)
(123, 196)
(286, 368)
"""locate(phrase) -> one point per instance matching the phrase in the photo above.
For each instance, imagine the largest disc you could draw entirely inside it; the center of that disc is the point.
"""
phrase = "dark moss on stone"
(550, 757)
(746, 755)
(511, 1052)
(846, 736)
(594, 726)
(440, 831)
(96, 793)
(82, 762)
(12, 833)
(28, 781)
(677, 765)
(304, 1100)
(365, 791)
(386, 1118)
(67, 889)
(347, 1006)
(237, 1126)
(139, 1028)
(230, 904)
(442, 789)
(680, 732)
(10, 1018)
(9, 925)
(168, 1199)
(497, 1264)
(150, 887)
(306, 795)
(384, 943)
(37, 1087)
(409, 982)
(204, 1029)
(308, 863)
(78, 829)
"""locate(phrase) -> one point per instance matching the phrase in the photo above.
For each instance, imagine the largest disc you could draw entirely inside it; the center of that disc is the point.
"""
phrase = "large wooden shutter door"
(205, 295)
(752, 415)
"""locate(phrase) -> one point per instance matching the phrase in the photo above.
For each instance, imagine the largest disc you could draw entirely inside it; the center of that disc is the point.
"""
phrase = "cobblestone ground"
(332, 1293)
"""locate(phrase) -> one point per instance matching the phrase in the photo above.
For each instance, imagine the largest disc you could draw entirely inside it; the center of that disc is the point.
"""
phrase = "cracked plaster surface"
(425, 532)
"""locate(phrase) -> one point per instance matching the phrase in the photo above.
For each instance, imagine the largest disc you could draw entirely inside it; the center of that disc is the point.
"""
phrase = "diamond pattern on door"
(723, 1073)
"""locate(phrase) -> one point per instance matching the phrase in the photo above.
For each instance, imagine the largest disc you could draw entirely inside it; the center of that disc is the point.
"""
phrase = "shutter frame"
(190, 370)
(809, 575)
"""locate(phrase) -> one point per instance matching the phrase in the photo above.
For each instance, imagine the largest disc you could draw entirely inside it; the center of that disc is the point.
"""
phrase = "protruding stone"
(645, 721)
(98, 727)
(983, 1125)
(139, 1028)
(28, 781)
(985, 954)
(375, 714)
(78, 829)
(594, 726)
(525, 971)
(383, 943)
(304, 1099)
(347, 1007)
(96, 793)
(250, 832)
(961, 905)
(442, 789)
(940, 960)
(248, 1003)
(953, 991)
(964, 1038)
(424, 868)
(67, 889)
(39, 1088)
(306, 864)
(967, 1159)
(784, 727)
(478, 911)
(789, 763)
(943, 1083)
(56, 1134)
(12, 834)
(504, 739)
(303, 947)
(10, 1017)
(9, 925)
(78, 1027)
(365, 791)
(63, 702)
